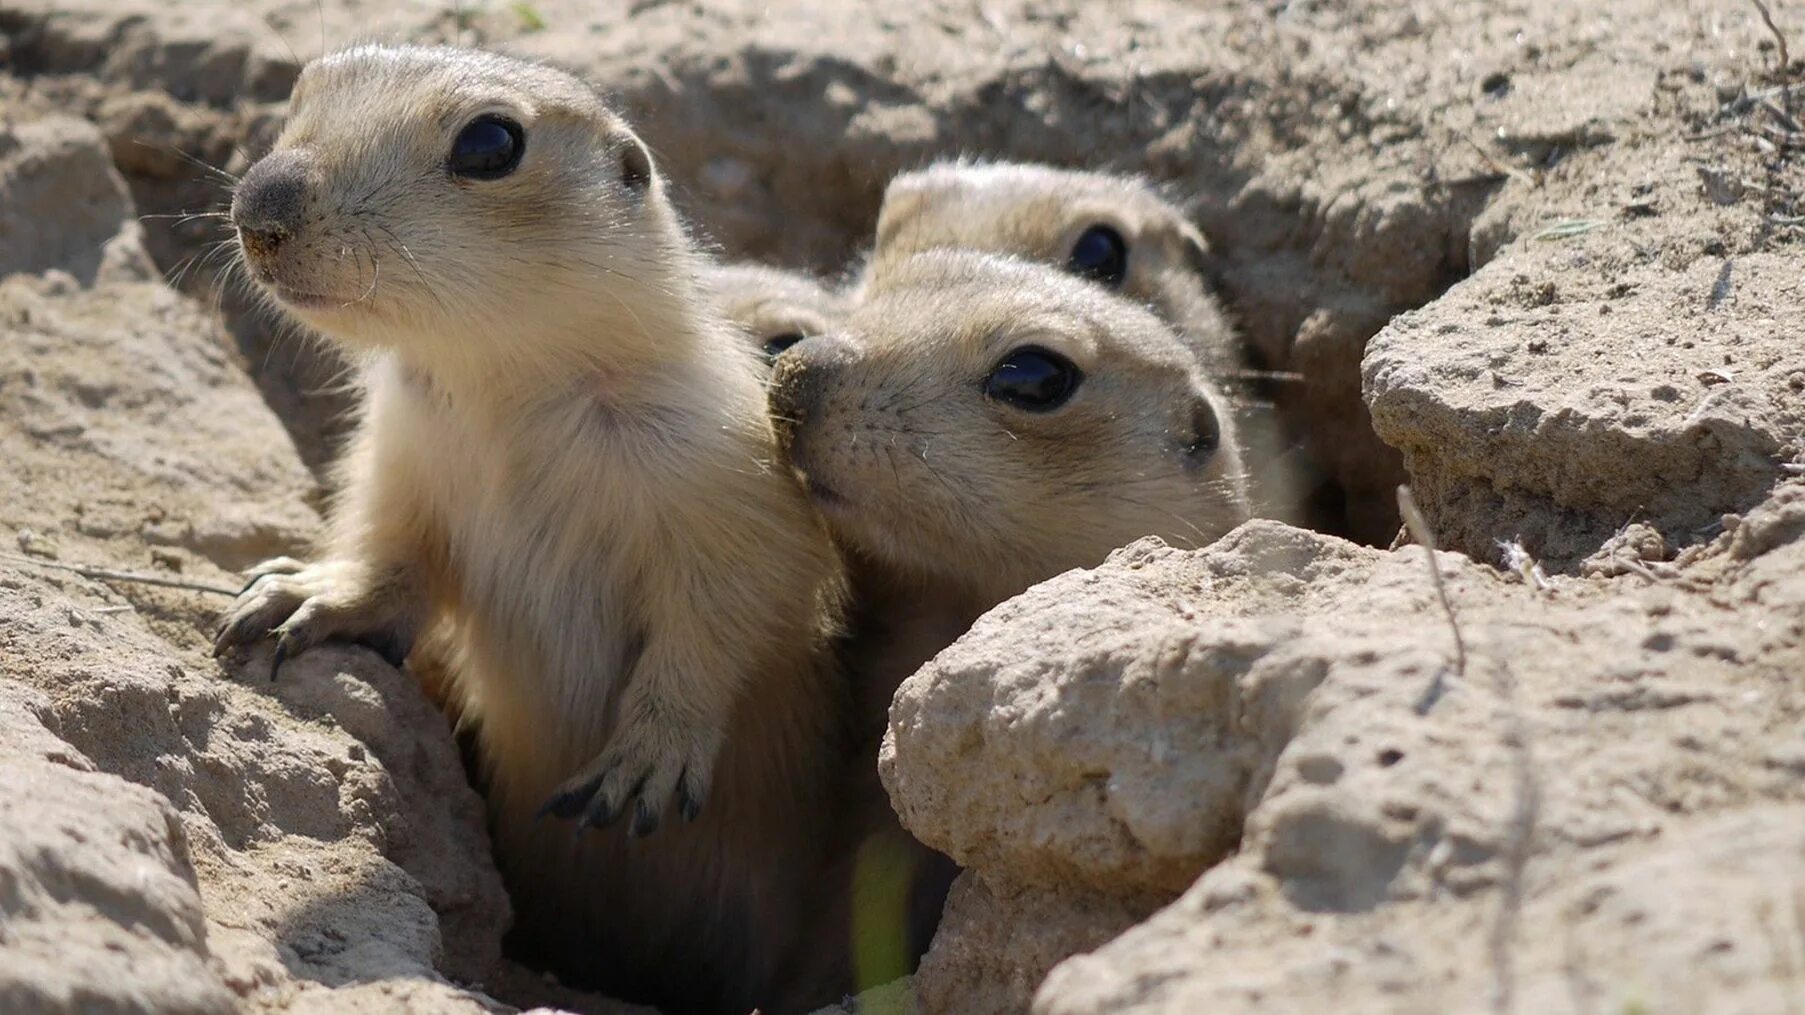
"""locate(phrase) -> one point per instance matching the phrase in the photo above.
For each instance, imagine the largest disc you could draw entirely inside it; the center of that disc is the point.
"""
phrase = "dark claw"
(254, 580)
(277, 660)
(569, 803)
(392, 649)
(645, 820)
(601, 814)
(689, 805)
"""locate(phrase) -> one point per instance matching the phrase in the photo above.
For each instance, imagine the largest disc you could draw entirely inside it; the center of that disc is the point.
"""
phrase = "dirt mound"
(1536, 260)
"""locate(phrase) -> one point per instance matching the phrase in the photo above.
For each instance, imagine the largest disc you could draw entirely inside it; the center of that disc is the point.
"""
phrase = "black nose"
(799, 381)
(268, 202)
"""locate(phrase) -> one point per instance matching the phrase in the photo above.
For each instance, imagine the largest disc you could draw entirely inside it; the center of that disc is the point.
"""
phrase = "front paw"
(643, 768)
(302, 605)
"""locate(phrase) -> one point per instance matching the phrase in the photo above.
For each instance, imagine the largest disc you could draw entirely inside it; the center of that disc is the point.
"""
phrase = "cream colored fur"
(564, 468)
(1038, 212)
(767, 303)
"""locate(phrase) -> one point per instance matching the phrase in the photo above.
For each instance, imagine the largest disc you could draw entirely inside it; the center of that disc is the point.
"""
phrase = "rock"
(1556, 411)
(177, 839)
(994, 948)
(1123, 752)
(1536, 261)
(1692, 922)
(62, 163)
(1599, 727)
(100, 908)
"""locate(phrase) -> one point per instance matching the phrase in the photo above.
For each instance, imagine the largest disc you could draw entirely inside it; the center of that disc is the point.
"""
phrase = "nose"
(800, 379)
(268, 202)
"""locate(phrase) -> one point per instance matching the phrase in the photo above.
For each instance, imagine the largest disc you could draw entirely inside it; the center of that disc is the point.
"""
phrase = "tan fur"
(768, 303)
(1038, 212)
(949, 502)
(915, 468)
(565, 468)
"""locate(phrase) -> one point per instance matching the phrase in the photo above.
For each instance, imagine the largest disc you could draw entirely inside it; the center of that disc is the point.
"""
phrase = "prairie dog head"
(773, 308)
(457, 204)
(1114, 230)
(989, 422)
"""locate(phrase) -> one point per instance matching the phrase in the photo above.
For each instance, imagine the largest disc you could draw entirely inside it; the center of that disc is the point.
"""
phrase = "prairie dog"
(564, 469)
(1115, 230)
(1118, 231)
(774, 308)
(979, 424)
(983, 423)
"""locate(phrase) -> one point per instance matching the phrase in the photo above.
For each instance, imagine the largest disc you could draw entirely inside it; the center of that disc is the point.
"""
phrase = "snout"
(800, 380)
(268, 203)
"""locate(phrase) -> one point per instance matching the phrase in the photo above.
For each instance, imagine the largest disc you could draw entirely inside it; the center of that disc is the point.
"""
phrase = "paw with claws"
(301, 605)
(648, 763)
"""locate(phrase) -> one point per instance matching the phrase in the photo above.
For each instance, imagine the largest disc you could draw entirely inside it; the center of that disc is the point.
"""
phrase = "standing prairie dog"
(564, 469)
(774, 308)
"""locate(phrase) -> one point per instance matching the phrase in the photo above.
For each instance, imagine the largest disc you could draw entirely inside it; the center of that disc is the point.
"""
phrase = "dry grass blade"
(110, 575)
(1767, 18)
(1526, 810)
(1419, 531)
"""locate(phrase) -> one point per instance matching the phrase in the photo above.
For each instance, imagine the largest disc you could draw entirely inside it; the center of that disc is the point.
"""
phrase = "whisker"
(185, 157)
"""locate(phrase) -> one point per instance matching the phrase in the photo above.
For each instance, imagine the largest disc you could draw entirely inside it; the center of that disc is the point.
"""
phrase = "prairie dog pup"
(775, 308)
(1115, 230)
(564, 467)
(980, 424)
(985, 423)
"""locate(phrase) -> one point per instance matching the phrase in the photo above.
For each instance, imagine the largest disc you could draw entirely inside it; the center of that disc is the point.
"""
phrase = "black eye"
(1206, 432)
(488, 148)
(1100, 254)
(1033, 379)
(775, 347)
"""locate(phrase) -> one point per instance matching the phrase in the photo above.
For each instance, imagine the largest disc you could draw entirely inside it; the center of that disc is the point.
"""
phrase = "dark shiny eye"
(1100, 254)
(776, 345)
(1033, 379)
(1206, 432)
(488, 148)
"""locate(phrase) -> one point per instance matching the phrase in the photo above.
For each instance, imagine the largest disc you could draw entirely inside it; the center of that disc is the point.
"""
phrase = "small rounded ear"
(1200, 258)
(903, 199)
(1197, 249)
(635, 164)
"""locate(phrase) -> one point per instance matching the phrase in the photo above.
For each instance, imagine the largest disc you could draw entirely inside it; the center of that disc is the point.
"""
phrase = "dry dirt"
(1540, 259)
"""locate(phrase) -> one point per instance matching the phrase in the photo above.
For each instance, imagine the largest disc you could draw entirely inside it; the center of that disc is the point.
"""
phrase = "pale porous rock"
(994, 948)
(99, 910)
(1573, 384)
(1601, 728)
(1621, 757)
(178, 840)
(60, 163)
(1123, 751)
